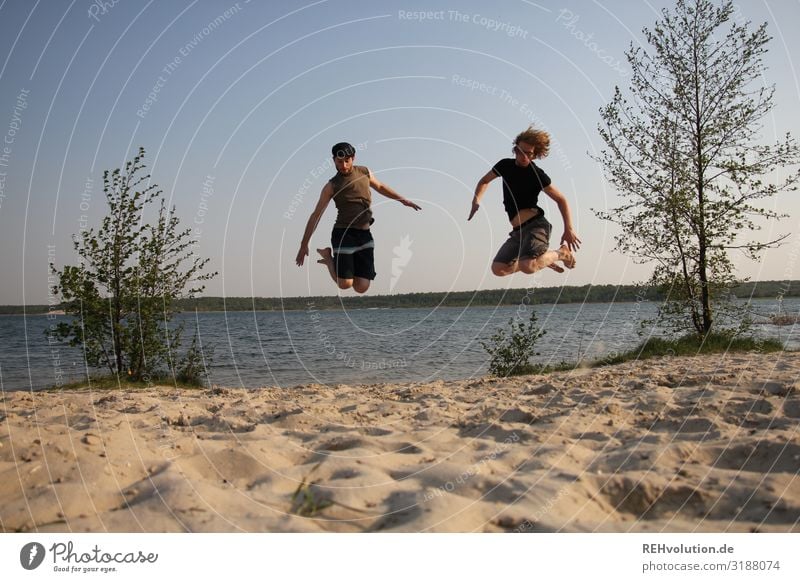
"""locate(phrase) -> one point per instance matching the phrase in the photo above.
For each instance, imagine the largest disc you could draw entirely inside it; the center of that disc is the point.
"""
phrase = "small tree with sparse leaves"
(510, 352)
(130, 273)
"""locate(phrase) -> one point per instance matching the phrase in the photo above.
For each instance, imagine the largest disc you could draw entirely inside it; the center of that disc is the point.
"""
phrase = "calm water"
(358, 346)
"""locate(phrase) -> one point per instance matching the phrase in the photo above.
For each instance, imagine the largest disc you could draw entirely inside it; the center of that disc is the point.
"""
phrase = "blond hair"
(540, 140)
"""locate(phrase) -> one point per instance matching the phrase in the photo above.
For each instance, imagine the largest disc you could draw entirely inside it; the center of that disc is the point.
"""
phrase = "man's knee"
(361, 285)
(345, 283)
(529, 267)
(501, 269)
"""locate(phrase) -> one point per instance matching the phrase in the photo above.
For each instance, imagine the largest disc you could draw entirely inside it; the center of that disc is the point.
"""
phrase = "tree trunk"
(117, 315)
(702, 243)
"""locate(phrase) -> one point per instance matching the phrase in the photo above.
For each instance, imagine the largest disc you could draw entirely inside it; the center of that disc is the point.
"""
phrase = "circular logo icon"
(31, 556)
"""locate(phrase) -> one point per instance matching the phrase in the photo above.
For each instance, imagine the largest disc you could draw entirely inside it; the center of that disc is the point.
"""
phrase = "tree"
(684, 155)
(130, 274)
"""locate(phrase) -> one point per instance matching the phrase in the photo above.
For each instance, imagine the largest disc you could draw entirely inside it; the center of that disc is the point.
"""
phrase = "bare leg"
(530, 266)
(326, 258)
(549, 259)
(546, 260)
(360, 285)
(504, 269)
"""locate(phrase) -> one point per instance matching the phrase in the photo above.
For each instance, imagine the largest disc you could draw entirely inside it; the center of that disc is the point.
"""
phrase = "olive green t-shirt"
(352, 196)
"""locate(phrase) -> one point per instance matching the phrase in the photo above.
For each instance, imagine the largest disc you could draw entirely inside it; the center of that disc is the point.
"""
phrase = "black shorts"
(528, 241)
(353, 253)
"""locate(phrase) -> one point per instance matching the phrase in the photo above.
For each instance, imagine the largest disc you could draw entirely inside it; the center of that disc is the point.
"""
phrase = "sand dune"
(673, 444)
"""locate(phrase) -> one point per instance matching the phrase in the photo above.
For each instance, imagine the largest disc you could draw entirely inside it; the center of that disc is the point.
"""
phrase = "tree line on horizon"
(489, 297)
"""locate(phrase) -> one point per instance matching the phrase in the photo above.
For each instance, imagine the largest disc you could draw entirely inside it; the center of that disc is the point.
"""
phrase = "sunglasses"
(528, 155)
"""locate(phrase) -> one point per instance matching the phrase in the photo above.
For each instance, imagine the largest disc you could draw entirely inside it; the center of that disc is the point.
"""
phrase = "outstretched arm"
(480, 190)
(382, 188)
(324, 199)
(570, 237)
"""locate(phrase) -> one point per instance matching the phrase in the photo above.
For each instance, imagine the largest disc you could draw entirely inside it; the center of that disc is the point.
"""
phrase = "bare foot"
(556, 268)
(566, 257)
(327, 256)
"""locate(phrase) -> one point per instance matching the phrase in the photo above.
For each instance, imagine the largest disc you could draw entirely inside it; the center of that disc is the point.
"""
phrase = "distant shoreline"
(485, 298)
(188, 311)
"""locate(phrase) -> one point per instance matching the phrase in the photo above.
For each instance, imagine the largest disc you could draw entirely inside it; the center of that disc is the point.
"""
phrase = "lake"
(362, 346)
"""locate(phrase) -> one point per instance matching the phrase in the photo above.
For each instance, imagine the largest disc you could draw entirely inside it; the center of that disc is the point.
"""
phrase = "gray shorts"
(527, 241)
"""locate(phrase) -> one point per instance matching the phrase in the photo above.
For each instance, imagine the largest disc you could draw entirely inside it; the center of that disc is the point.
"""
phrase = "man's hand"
(570, 238)
(410, 204)
(472, 212)
(301, 255)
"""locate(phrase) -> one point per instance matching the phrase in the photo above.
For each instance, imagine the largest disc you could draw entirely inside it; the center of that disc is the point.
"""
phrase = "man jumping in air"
(350, 258)
(526, 249)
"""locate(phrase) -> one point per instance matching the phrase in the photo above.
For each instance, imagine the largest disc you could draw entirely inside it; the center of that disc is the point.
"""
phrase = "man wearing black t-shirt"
(526, 249)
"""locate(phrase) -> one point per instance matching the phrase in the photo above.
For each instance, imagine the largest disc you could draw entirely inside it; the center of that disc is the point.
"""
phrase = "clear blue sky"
(237, 104)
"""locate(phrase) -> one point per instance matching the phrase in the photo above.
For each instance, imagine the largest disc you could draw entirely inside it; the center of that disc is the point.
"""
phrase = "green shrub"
(510, 352)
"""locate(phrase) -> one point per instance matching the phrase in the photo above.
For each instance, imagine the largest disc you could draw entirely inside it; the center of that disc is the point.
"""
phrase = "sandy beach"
(690, 444)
